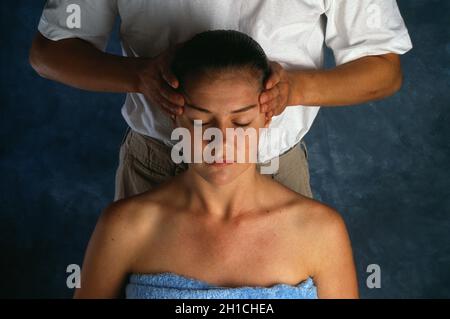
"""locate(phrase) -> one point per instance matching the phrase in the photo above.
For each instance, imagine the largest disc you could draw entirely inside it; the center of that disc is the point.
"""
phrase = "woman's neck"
(225, 201)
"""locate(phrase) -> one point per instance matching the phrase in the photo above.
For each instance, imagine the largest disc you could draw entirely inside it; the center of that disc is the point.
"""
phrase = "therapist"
(366, 37)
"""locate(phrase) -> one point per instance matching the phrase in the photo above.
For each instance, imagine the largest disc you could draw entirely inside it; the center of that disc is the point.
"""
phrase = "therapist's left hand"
(277, 93)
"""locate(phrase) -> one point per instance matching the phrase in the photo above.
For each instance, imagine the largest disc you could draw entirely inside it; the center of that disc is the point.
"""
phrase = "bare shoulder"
(303, 211)
(122, 229)
(324, 237)
(131, 217)
(315, 226)
(322, 216)
(326, 244)
(320, 222)
(141, 214)
(323, 246)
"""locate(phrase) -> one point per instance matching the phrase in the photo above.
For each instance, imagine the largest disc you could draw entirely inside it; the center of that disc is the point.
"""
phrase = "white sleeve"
(90, 20)
(358, 28)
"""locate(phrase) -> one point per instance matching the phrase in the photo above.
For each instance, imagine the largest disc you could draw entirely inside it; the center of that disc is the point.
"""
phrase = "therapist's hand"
(159, 85)
(277, 93)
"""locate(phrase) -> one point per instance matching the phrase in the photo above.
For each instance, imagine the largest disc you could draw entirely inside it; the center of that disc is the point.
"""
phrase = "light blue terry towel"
(173, 286)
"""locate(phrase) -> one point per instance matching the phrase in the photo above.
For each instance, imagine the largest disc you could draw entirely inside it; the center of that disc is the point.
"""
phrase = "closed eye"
(197, 123)
(242, 124)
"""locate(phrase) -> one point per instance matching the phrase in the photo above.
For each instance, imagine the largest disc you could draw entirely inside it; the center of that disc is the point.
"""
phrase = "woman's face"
(226, 100)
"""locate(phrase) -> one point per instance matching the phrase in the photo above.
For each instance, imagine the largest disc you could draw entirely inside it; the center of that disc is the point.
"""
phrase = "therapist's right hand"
(158, 84)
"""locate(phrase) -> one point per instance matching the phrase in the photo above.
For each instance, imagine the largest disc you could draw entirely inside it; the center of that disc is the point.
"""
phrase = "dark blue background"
(384, 166)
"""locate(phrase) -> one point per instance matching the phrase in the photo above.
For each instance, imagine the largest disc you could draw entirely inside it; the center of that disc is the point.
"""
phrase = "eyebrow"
(246, 108)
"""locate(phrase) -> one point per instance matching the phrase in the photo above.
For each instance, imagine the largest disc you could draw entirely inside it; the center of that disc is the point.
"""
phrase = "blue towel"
(169, 285)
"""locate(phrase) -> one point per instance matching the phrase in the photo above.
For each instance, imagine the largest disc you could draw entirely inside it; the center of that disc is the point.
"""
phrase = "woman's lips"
(224, 163)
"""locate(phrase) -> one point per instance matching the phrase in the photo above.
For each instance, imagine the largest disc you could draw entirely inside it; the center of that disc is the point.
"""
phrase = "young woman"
(220, 230)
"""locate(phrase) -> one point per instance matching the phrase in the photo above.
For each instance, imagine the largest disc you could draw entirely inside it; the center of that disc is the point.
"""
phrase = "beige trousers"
(145, 163)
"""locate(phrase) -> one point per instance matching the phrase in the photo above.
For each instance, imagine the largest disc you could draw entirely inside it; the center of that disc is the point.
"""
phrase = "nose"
(226, 147)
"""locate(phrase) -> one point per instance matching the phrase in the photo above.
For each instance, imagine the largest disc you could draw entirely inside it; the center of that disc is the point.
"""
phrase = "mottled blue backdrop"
(384, 166)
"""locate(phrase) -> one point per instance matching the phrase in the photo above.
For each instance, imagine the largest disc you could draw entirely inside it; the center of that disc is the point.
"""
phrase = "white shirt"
(292, 32)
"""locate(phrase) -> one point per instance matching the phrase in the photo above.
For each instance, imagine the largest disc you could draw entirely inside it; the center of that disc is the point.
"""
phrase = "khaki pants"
(145, 163)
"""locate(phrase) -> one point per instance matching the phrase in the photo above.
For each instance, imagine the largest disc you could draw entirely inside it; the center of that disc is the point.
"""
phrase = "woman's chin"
(221, 173)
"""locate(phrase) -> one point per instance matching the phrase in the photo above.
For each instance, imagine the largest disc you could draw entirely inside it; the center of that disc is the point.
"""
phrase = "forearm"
(79, 64)
(366, 79)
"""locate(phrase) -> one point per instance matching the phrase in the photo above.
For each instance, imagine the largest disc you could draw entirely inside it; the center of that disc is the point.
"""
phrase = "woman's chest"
(257, 253)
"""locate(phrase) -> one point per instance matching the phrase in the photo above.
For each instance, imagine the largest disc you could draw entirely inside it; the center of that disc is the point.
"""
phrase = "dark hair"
(219, 50)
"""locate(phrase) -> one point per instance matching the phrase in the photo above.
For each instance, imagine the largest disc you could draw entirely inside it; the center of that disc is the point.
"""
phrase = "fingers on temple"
(271, 94)
(275, 76)
(167, 106)
(273, 80)
(171, 96)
